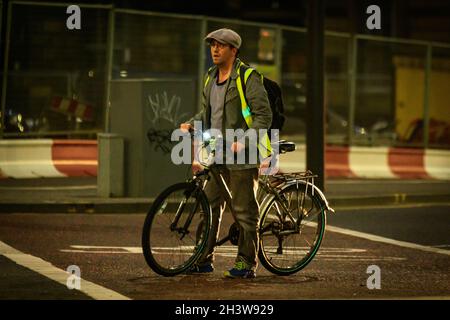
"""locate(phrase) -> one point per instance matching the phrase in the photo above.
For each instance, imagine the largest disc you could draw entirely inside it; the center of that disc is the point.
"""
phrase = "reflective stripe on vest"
(264, 146)
(207, 79)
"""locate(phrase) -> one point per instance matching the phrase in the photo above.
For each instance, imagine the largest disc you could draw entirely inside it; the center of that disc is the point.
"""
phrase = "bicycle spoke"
(173, 247)
(297, 229)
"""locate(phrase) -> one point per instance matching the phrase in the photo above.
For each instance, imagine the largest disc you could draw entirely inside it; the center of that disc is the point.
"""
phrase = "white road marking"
(230, 251)
(363, 259)
(96, 251)
(414, 298)
(112, 248)
(376, 238)
(88, 187)
(391, 206)
(442, 246)
(50, 271)
(222, 248)
(390, 181)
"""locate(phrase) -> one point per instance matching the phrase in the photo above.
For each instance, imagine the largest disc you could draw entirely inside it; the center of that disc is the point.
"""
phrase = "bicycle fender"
(315, 188)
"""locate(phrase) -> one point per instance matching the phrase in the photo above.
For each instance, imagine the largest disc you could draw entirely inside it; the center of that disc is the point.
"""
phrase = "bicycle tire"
(304, 259)
(151, 246)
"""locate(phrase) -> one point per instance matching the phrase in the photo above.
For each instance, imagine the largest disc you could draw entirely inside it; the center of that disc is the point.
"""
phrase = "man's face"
(222, 53)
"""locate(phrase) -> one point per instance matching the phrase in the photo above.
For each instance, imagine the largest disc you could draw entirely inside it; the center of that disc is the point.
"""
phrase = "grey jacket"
(256, 97)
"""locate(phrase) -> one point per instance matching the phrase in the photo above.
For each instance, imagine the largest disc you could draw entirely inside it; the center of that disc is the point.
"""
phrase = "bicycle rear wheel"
(285, 249)
(176, 229)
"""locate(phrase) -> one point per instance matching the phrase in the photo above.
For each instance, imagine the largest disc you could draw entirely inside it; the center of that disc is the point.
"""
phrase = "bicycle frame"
(298, 178)
(225, 193)
(187, 206)
(275, 192)
(201, 183)
(301, 180)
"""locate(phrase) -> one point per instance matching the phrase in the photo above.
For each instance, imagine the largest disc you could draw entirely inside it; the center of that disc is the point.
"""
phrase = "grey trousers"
(243, 185)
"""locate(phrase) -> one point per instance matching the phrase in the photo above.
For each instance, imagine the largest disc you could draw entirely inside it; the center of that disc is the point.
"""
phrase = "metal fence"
(56, 82)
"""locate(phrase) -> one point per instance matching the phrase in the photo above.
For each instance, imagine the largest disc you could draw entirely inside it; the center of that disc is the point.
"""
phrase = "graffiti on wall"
(164, 114)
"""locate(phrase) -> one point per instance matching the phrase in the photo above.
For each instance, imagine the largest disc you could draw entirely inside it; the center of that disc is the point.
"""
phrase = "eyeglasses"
(212, 44)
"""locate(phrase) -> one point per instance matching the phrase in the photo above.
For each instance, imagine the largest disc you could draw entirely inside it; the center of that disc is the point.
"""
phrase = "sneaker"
(240, 270)
(196, 269)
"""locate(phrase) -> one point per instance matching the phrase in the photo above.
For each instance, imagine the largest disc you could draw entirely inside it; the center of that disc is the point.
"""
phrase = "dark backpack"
(275, 99)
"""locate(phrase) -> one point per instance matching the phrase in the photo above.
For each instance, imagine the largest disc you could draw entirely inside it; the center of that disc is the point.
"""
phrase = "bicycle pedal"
(288, 225)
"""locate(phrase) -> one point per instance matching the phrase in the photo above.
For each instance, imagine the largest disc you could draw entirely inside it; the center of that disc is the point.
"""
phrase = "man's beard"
(223, 62)
(219, 62)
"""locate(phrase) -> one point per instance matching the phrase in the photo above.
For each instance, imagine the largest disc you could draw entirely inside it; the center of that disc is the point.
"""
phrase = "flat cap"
(225, 35)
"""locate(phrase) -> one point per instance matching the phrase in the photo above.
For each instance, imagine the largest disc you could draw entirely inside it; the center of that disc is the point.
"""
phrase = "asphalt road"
(79, 187)
(422, 224)
(408, 244)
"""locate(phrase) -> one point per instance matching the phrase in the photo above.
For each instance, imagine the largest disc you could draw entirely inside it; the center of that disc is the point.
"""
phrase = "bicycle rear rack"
(307, 176)
(301, 175)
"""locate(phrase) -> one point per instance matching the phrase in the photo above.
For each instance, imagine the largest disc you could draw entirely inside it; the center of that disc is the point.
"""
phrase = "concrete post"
(110, 174)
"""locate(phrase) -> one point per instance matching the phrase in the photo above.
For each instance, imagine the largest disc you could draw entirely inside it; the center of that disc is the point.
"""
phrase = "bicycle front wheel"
(176, 229)
(291, 230)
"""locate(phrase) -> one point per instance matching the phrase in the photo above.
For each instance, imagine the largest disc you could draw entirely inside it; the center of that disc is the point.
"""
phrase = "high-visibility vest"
(264, 146)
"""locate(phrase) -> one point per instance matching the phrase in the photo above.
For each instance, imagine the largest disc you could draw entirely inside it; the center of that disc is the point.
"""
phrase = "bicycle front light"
(206, 136)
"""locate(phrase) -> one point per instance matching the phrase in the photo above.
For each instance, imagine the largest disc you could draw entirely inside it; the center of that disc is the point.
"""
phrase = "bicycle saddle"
(285, 146)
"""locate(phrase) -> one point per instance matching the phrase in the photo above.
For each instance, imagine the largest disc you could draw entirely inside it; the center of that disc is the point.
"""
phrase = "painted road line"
(112, 248)
(96, 251)
(418, 298)
(106, 249)
(360, 259)
(376, 238)
(407, 298)
(389, 181)
(230, 251)
(89, 187)
(48, 270)
(391, 206)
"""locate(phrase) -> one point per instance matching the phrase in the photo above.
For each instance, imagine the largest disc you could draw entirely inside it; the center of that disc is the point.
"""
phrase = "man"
(222, 110)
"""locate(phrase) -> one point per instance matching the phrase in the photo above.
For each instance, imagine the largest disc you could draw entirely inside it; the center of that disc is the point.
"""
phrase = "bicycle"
(292, 211)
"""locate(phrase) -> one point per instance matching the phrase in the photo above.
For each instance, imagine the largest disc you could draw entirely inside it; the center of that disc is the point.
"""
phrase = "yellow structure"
(409, 92)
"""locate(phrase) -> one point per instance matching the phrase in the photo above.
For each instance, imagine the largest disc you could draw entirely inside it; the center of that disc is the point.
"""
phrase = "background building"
(386, 87)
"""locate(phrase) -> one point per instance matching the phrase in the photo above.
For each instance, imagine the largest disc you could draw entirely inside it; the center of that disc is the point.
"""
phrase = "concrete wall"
(48, 158)
(65, 158)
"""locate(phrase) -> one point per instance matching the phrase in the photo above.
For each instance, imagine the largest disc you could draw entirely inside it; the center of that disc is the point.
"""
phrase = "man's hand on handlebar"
(196, 167)
(237, 147)
(186, 127)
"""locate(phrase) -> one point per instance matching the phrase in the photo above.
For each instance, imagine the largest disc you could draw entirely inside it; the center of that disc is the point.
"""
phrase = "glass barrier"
(439, 99)
(293, 83)
(150, 46)
(56, 77)
(389, 92)
(163, 51)
(336, 89)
